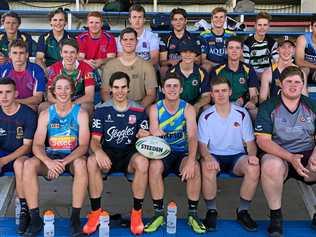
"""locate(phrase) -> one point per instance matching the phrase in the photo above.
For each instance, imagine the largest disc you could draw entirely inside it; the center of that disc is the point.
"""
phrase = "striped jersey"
(174, 125)
(260, 54)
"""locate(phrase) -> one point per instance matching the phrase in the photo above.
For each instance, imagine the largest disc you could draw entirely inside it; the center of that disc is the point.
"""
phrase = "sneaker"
(25, 220)
(137, 225)
(210, 220)
(314, 222)
(195, 223)
(246, 221)
(32, 231)
(93, 222)
(75, 228)
(154, 224)
(275, 228)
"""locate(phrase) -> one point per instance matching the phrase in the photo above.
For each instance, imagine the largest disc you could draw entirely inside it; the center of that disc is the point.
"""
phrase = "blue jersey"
(214, 45)
(118, 129)
(174, 125)
(310, 50)
(62, 132)
(14, 128)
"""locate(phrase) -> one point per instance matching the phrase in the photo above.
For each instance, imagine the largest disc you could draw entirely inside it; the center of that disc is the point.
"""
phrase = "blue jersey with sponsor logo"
(118, 129)
(310, 50)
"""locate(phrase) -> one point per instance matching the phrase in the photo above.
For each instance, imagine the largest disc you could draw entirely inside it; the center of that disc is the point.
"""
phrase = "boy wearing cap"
(192, 75)
(270, 81)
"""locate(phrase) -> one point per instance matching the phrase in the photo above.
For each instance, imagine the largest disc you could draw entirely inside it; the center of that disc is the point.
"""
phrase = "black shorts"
(172, 163)
(228, 162)
(120, 159)
(292, 172)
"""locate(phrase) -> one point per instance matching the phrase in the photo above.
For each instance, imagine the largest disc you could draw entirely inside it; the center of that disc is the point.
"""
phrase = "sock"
(210, 204)
(95, 203)
(138, 203)
(23, 204)
(36, 220)
(75, 213)
(276, 214)
(192, 206)
(75, 223)
(244, 204)
(158, 206)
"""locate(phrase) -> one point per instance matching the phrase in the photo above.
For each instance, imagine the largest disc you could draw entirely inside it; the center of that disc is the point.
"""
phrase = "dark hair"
(291, 71)
(263, 15)
(18, 43)
(180, 11)
(220, 80)
(217, 10)
(95, 14)
(117, 76)
(71, 42)
(128, 30)
(172, 75)
(235, 39)
(137, 8)
(7, 81)
(62, 77)
(11, 14)
(313, 19)
(59, 10)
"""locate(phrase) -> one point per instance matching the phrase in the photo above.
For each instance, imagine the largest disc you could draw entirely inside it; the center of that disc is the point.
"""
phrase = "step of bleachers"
(225, 228)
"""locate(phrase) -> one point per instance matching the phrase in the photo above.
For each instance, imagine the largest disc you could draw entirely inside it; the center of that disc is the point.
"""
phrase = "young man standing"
(29, 77)
(285, 130)
(223, 129)
(142, 74)
(17, 126)
(147, 42)
(65, 127)
(175, 121)
(116, 125)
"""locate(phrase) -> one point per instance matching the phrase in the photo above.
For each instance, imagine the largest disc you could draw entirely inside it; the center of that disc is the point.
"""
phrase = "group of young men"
(209, 90)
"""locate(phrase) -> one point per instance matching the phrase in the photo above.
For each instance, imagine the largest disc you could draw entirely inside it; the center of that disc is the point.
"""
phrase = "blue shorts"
(172, 163)
(228, 162)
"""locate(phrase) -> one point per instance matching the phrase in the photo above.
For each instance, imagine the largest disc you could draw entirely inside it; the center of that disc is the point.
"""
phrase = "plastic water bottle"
(104, 228)
(172, 218)
(49, 228)
(17, 211)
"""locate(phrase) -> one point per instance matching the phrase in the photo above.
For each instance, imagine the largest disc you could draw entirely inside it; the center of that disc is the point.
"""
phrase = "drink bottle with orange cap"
(49, 228)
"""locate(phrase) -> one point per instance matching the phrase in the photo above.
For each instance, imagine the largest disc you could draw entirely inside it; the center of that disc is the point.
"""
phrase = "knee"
(197, 170)
(141, 165)
(92, 164)
(155, 168)
(253, 172)
(273, 168)
(29, 167)
(18, 166)
(80, 166)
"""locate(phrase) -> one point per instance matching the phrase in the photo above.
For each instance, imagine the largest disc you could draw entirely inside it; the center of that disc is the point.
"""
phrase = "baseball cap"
(189, 45)
(284, 40)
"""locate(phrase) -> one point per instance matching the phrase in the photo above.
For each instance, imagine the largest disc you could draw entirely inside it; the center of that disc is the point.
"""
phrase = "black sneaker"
(275, 228)
(246, 221)
(75, 228)
(32, 231)
(313, 225)
(210, 220)
(25, 219)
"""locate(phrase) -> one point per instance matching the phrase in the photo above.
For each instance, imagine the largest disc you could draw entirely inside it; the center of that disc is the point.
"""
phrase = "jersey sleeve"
(203, 130)
(274, 51)
(163, 44)
(154, 42)
(30, 125)
(247, 129)
(97, 124)
(205, 82)
(143, 123)
(253, 79)
(41, 44)
(246, 53)
(112, 45)
(51, 74)
(264, 123)
(204, 45)
(89, 76)
(40, 78)
(81, 44)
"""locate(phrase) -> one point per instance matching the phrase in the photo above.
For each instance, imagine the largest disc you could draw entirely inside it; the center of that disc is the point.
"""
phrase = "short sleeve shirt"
(31, 80)
(14, 128)
(142, 75)
(118, 129)
(96, 48)
(294, 131)
(4, 42)
(225, 136)
(83, 76)
(49, 46)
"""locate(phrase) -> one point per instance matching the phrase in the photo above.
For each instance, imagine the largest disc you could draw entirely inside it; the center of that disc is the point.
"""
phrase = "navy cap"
(189, 45)
(284, 40)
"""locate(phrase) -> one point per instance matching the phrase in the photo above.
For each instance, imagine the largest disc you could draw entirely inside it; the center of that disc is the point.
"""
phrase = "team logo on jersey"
(302, 119)
(2, 132)
(103, 48)
(277, 82)
(108, 119)
(144, 125)
(253, 53)
(19, 133)
(242, 80)
(132, 119)
(211, 43)
(236, 124)
(144, 45)
(195, 82)
(120, 115)
(55, 125)
(172, 46)
(219, 40)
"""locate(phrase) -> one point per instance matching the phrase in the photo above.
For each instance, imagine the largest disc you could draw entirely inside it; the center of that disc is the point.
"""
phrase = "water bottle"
(49, 229)
(172, 218)
(17, 211)
(104, 228)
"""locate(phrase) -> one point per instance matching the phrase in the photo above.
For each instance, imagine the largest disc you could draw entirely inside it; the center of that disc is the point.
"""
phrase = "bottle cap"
(104, 213)
(49, 213)
(172, 204)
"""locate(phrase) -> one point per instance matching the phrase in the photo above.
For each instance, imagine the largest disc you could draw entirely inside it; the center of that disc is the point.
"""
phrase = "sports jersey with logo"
(49, 46)
(260, 54)
(118, 129)
(169, 43)
(294, 131)
(146, 43)
(214, 45)
(192, 84)
(14, 128)
(225, 136)
(174, 125)
(241, 80)
(4, 42)
(62, 132)
(275, 81)
(30, 80)
(310, 50)
(96, 48)
(83, 76)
